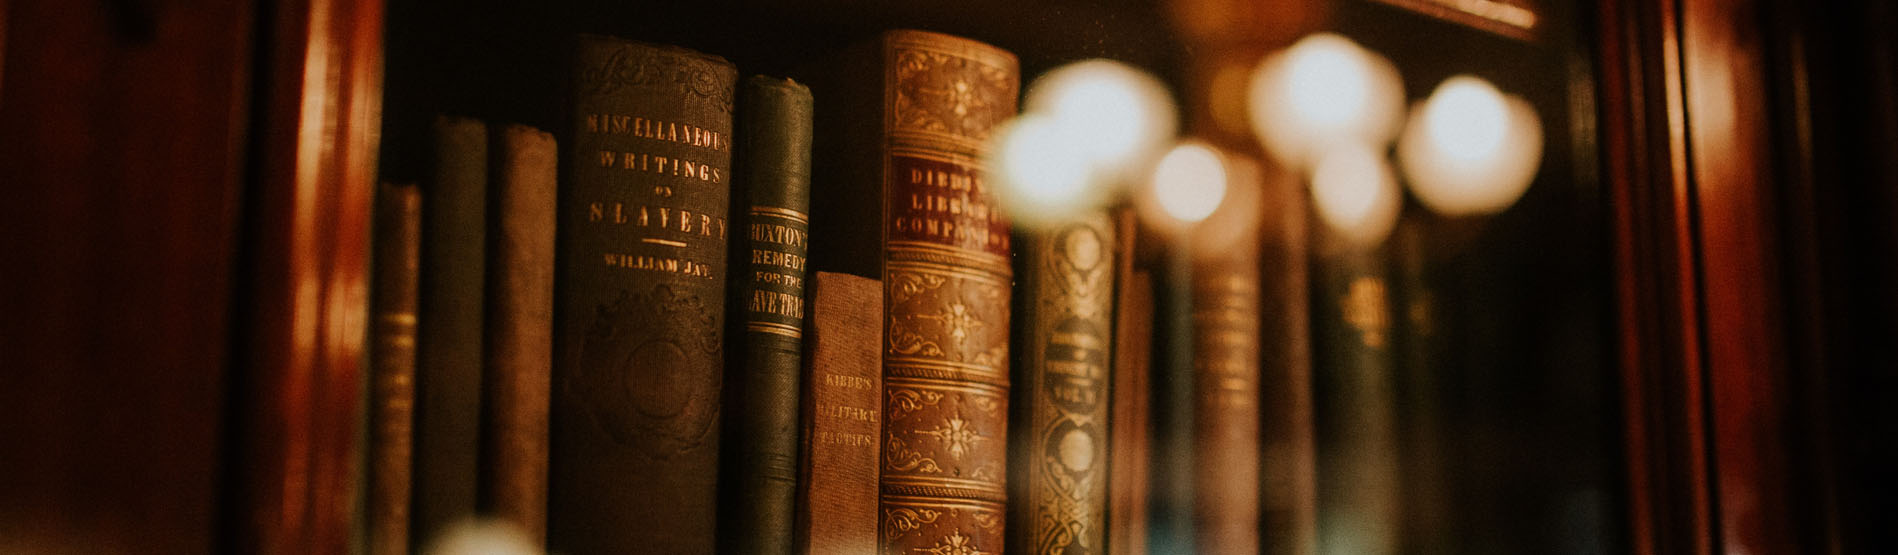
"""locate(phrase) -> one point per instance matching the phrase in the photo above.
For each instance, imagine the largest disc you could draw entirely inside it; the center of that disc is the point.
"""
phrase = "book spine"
(448, 347)
(1424, 381)
(947, 279)
(837, 501)
(1352, 367)
(774, 165)
(519, 334)
(392, 381)
(1289, 478)
(1059, 459)
(1127, 480)
(641, 300)
(1225, 301)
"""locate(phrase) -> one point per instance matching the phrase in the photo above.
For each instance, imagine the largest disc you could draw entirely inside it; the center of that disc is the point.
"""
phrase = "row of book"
(765, 317)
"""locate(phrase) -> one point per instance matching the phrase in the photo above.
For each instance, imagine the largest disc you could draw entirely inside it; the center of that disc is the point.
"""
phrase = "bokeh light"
(1189, 182)
(1322, 92)
(1355, 194)
(1470, 149)
(1121, 114)
(1042, 170)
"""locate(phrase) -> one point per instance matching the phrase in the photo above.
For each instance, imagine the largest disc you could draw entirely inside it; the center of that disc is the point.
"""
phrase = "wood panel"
(121, 135)
(1658, 306)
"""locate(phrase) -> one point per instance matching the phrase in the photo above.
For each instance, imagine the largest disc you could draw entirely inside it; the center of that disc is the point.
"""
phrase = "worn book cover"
(397, 253)
(773, 194)
(908, 118)
(843, 408)
(1059, 459)
(640, 300)
(519, 330)
(449, 327)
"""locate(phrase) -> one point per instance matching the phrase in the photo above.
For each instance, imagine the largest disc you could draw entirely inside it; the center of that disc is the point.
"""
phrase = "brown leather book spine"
(1225, 301)
(1289, 483)
(837, 495)
(947, 279)
(1133, 356)
(519, 333)
(398, 242)
(904, 122)
(1059, 425)
(448, 337)
(639, 357)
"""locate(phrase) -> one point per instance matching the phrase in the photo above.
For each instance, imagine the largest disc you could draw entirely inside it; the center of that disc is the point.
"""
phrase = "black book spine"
(640, 300)
(774, 167)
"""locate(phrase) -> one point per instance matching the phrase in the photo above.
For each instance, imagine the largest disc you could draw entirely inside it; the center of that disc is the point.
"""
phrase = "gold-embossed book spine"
(1226, 323)
(392, 354)
(640, 300)
(947, 278)
(1060, 423)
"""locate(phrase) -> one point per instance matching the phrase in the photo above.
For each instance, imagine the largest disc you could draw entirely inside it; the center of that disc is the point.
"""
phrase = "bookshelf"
(1696, 278)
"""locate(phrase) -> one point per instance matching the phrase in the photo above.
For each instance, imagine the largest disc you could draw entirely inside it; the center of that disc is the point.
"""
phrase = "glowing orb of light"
(1042, 171)
(1355, 193)
(1322, 92)
(1189, 182)
(1470, 149)
(1121, 114)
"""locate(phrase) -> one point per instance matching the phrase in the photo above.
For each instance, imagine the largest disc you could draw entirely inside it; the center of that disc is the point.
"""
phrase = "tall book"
(1225, 301)
(1289, 474)
(1352, 367)
(837, 495)
(1059, 459)
(640, 300)
(392, 354)
(774, 190)
(519, 329)
(1127, 480)
(449, 327)
(908, 117)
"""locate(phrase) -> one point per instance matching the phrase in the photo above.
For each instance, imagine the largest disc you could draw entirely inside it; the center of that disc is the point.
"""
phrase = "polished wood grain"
(1658, 317)
(121, 136)
(301, 328)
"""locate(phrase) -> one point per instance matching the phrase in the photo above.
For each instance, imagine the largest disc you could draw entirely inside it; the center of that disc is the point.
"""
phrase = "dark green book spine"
(448, 348)
(774, 167)
(1359, 498)
(640, 300)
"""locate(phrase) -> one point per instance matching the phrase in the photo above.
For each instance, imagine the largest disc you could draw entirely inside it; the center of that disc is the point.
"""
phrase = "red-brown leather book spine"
(1127, 481)
(1225, 301)
(392, 377)
(640, 307)
(518, 345)
(1059, 459)
(903, 125)
(837, 492)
